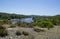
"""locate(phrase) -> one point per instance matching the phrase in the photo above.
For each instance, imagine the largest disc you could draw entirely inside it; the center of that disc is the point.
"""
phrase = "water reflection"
(28, 20)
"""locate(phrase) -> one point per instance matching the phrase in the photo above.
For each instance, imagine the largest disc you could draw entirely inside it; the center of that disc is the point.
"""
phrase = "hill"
(5, 16)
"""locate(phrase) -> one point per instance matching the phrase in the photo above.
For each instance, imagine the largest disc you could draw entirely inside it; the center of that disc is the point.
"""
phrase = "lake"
(28, 20)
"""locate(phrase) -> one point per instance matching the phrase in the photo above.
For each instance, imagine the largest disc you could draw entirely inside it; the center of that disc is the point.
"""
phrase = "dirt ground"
(53, 33)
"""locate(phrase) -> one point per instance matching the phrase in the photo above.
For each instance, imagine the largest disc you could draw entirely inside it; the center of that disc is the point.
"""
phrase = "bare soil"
(53, 33)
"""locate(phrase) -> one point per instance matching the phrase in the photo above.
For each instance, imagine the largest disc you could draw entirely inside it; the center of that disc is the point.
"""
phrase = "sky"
(31, 7)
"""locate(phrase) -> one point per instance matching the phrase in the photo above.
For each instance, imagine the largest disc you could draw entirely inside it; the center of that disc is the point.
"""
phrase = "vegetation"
(41, 21)
(12, 26)
(24, 24)
(18, 33)
(6, 16)
(25, 33)
(3, 31)
(37, 29)
(47, 21)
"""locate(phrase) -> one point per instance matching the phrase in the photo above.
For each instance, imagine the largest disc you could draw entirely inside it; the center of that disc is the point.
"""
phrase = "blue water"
(28, 20)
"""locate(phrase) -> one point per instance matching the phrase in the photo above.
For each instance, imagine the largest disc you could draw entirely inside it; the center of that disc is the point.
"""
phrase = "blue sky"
(31, 7)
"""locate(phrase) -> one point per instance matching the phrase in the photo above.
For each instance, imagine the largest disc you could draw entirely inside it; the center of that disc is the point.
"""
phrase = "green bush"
(12, 26)
(18, 33)
(37, 29)
(1, 27)
(3, 31)
(25, 33)
(45, 24)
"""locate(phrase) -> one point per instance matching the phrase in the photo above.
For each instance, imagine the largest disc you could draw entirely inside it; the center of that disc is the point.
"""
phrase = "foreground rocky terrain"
(53, 33)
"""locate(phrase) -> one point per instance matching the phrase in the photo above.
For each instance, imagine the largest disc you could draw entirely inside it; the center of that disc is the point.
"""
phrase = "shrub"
(3, 31)
(30, 25)
(25, 33)
(18, 33)
(37, 29)
(1, 27)
(12, 26)
(1, 22)
(45, 24)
